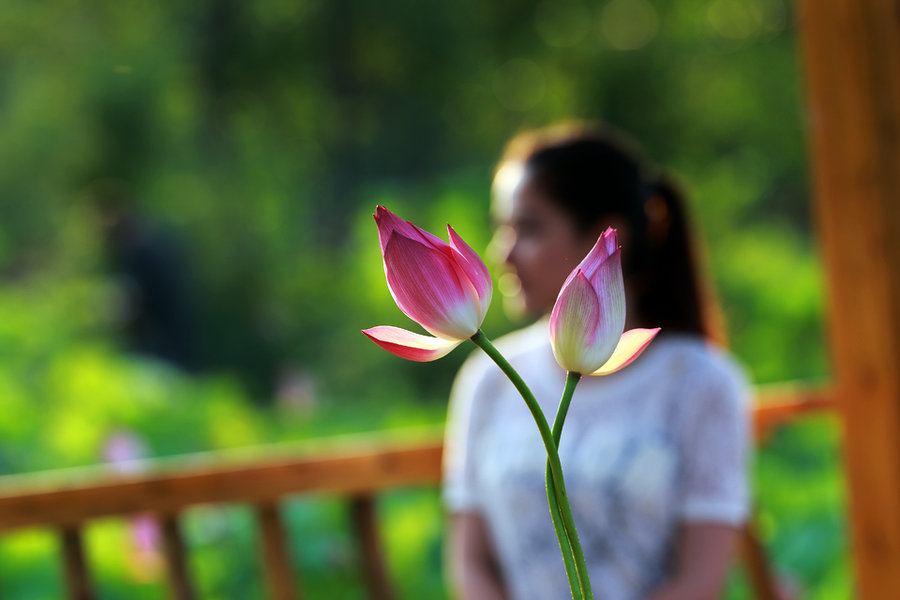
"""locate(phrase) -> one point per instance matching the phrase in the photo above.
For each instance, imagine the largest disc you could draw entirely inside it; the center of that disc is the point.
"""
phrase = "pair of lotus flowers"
(446, 288)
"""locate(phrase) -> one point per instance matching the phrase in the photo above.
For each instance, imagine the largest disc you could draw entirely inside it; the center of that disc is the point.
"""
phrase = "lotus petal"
(409, 345)
(475, 269)
(573, 326)
(388, 223)
(609, 286)
(630, 346)
(605, 245)
(431, 289)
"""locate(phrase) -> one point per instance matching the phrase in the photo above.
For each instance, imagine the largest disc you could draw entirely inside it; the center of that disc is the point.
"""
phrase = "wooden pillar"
(852, 52)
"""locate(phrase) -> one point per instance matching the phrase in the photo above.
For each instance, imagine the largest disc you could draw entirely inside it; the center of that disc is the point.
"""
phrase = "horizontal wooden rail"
(385, 465)
(359, 466)
(781, 403)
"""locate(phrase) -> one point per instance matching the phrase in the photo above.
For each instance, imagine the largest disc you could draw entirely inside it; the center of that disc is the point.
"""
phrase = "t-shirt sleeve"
(460, 492)
(715, 447)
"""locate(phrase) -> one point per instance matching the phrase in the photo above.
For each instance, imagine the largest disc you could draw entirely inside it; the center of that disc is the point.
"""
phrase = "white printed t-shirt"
(660, 443)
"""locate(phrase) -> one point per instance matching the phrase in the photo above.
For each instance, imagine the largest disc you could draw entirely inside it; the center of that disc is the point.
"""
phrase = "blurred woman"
(653, 455)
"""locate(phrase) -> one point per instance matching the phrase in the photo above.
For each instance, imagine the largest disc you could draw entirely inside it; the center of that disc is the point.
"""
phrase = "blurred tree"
(262, 133)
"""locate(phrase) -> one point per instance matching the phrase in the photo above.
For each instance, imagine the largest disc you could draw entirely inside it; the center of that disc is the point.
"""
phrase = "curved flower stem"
(572, 380)
(582, 589)
(562, 536)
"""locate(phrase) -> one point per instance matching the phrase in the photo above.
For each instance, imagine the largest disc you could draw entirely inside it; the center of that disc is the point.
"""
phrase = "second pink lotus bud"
(588, 319)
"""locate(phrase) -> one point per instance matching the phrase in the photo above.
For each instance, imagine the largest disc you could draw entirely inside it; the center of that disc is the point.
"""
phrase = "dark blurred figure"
(158, 316)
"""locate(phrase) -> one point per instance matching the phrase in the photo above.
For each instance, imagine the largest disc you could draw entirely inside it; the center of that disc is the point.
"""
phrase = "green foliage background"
(262, 134)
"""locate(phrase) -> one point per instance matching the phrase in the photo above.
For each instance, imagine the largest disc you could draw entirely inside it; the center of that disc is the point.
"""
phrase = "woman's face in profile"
(538, 241)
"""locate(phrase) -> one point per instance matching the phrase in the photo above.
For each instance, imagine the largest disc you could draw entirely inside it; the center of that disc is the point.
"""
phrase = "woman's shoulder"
(700, 364)
(694, 353)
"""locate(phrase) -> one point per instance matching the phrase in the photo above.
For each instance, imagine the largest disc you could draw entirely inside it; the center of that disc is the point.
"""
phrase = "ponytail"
(670, 291)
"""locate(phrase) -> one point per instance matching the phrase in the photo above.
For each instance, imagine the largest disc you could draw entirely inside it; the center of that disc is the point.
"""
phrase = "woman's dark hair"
(596, 175)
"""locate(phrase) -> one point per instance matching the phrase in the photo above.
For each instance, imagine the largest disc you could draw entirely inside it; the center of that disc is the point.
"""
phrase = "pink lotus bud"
(445, 288)
(588, 318)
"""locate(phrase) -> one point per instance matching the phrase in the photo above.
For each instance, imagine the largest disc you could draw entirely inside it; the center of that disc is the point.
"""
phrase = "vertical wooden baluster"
(275, 555)
(757, 567)
(176, 559)
(366, 525)
(78, 583)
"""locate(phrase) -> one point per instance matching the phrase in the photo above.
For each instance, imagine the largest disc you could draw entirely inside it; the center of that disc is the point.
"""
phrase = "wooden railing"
(356, 469)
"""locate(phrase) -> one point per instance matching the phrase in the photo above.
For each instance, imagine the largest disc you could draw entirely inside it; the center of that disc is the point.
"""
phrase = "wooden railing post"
(362, 508)
(756, 564)
(77, 580)
(276, 562)
(180, 587)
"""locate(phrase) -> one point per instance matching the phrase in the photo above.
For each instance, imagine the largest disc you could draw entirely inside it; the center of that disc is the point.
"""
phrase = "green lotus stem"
(572, 380)
(578, 581)
(562, 536)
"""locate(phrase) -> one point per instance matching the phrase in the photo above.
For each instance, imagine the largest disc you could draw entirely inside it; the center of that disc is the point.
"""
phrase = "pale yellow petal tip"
(630, 346)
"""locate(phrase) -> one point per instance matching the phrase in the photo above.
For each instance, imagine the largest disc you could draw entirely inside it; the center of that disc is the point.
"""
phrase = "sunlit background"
(231, 153)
